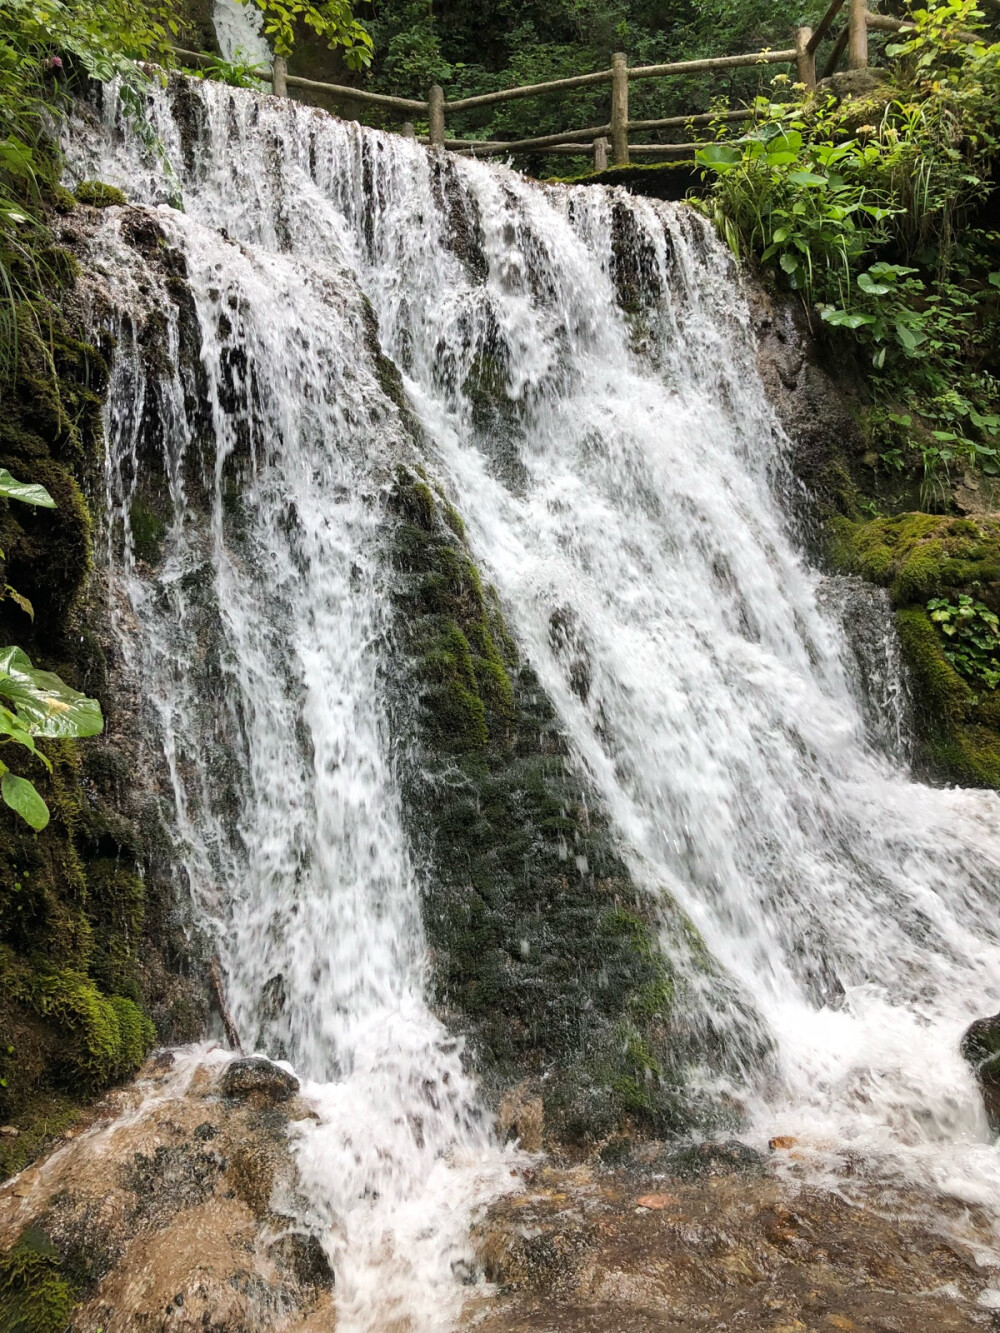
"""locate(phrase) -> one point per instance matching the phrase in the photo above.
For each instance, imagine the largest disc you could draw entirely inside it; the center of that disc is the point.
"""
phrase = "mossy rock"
(918, 557)
(99, 195)
(545, 951)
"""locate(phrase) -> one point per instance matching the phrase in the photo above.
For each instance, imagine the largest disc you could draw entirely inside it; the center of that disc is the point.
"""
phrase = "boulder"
(258, 1080)
(981, 1048)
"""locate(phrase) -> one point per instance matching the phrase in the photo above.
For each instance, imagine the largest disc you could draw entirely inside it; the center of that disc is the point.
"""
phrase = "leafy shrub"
(973, 634)
(871, 225)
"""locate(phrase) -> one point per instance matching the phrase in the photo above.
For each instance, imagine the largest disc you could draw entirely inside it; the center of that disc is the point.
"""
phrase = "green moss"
(536, 952)
(43, 1118)
(919, 556)
(34, 1296)
(106, 1038)
(916, 557)
(148, 531)
(99, 195)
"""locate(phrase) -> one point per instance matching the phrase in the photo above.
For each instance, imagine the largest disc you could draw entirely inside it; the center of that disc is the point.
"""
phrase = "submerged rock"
(259, 1081)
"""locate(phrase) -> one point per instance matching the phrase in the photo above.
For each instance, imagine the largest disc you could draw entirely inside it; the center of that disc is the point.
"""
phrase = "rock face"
(981, 1048)
(179, 1215)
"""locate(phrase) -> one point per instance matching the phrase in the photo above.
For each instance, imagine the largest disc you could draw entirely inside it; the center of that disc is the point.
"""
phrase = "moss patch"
(544, 950)
(918, 557)
(34, 1296)
(99, 195)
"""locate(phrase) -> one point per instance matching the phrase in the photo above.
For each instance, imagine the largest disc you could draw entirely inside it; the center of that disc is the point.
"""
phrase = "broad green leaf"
(807, 178)
(995, 279)
(718, 155)
(21, 796)
(29, 492)
(12, 727)
(911, 339)
(789, 263)
(867, 284)
(44, 703)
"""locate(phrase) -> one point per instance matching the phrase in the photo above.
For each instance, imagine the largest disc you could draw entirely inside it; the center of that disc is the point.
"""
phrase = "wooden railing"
(609, 143)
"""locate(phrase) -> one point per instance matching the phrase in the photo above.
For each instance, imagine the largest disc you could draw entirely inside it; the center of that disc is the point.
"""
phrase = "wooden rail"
(611, 140)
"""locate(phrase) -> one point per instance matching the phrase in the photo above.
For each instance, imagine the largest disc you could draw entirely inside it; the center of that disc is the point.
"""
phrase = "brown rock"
(782, 1142)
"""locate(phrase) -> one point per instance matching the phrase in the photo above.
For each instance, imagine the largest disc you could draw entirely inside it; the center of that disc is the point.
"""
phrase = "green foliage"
(873, 224)
(42, 704)
(973, 634)
(331, 20)
(472, 47)
(238, 73)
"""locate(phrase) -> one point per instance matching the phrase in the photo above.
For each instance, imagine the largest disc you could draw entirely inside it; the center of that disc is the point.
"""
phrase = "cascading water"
(627, 477)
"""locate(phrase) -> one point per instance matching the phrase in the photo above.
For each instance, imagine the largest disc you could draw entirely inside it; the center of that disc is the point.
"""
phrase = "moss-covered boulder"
(545, 951)
(927, 561)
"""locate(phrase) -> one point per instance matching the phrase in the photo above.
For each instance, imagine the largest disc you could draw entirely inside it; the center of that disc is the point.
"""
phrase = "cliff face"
(93, 947)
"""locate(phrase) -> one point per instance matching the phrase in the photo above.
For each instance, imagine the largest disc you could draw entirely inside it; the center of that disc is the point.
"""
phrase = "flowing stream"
(627, 474)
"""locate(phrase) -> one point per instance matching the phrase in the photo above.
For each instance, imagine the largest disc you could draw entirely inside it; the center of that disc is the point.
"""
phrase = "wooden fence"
(610, 142)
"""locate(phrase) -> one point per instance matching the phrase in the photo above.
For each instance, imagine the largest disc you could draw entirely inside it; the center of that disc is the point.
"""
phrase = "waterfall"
(581, 369)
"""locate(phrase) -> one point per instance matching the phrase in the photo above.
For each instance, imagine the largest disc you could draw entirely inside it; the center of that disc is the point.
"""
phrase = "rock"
(9, 1131)
(258, 1080)
(162, 1220)
(656, 1202)
(854, 82)
(692, 1161)
(781, 1141)
(981, 1048)
(521, 1116)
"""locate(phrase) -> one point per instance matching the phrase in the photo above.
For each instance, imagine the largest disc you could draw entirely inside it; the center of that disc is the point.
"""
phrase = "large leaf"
(23, 490)
(44, 703)
(21, 796)
(10, 725)
(718, 155)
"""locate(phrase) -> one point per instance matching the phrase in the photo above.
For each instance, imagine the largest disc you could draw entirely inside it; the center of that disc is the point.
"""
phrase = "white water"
(633, 479)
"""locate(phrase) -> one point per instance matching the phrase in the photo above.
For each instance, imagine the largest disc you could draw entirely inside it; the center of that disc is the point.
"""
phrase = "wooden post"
(435, 116)
(408, 131)
(601, 154)
(805, 60)
(619, 109)
(857, 51)
(279, 76)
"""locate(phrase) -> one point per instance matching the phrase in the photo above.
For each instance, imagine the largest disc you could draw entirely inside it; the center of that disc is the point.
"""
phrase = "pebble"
(656, 1201)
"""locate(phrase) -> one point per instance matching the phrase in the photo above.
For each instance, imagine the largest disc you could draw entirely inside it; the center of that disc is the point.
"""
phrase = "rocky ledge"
(172, 1210)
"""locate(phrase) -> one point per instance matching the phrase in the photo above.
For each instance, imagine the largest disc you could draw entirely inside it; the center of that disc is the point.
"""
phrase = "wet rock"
(522, 1116)
(981, 1048)
(259, 1081)
(694, 1160)
(782, 1142)
(179, 1216)
(303, 1255)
